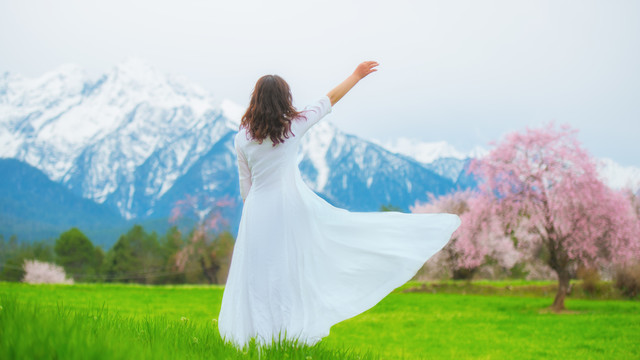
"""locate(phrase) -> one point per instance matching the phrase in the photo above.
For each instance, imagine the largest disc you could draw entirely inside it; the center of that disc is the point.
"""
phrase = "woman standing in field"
(301, 265)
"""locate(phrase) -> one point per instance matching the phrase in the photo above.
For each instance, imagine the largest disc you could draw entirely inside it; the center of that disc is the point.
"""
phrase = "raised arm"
(363, 69)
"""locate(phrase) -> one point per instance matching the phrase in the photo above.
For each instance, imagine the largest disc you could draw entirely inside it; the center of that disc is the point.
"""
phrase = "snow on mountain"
(360, 175)
(447, 167)
(618, 176)
(233, 112)
(93, 135)
(424, 152)
(137, 141)
(477, 152)
(449, 162)
(27, 107)
(315, 146)
(440, 157)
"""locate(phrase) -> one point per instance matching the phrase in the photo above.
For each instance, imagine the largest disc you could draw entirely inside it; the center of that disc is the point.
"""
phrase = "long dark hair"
(270, 111)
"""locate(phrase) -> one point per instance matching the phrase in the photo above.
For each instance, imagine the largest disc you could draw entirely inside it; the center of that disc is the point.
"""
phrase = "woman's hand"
(365, 68)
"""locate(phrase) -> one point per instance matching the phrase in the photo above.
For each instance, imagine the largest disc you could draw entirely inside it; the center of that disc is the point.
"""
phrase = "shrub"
(38, 272)
(519, 271)
(590, 279)
(627, 280)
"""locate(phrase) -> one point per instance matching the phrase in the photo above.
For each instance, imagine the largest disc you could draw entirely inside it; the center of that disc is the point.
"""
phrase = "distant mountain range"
(137, 141)
(134, 142)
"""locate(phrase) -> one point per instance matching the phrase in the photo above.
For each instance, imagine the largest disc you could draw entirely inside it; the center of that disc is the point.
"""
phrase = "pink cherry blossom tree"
(542, 180)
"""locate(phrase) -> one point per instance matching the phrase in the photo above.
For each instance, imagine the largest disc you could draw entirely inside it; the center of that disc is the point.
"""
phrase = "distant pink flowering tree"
(39, 272)
(544, 181)
(210, 255)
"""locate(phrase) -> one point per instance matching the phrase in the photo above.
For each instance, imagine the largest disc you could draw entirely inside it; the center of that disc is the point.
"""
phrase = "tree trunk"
(563, 290)
(463, 273)
(209, 272)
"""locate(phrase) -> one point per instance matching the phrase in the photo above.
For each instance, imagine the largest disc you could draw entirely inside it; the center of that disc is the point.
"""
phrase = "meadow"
(438, 321)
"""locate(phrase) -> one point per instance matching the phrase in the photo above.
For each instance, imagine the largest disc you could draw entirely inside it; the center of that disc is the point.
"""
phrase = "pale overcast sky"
(465, 72)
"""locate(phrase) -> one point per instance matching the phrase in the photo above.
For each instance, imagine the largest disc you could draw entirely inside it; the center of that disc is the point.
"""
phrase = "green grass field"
(116, 321)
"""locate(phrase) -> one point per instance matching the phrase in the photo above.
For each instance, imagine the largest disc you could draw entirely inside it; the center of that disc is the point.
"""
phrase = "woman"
(299, 264)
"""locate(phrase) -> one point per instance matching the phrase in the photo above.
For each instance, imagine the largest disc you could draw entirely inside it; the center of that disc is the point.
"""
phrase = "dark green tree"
(98, 259)
(390, 207)
(120, 262)
(222, 250)
(171, 245)
(136, 257)
(76, 254)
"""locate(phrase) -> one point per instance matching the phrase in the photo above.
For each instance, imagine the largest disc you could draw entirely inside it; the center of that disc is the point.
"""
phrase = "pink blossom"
(38, 272)
(206, 210)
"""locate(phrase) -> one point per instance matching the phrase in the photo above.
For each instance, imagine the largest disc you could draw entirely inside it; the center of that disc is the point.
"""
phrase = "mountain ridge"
(137, 141)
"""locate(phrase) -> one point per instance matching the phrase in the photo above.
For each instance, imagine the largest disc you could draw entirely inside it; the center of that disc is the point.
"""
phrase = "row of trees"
(137, 256)
(201, 256)
(540, 198)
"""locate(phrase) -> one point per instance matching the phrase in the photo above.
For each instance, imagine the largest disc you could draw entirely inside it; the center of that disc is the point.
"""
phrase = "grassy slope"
(403, 325)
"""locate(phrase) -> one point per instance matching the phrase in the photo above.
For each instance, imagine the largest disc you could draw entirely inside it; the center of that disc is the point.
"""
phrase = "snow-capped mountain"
(138, 141)
(361, 175)
(447, 161)
(424, 152)
(440, 157)
(92, 136)
(428, 152)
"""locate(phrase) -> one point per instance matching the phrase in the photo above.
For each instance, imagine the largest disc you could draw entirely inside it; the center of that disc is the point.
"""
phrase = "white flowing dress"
(301, 265)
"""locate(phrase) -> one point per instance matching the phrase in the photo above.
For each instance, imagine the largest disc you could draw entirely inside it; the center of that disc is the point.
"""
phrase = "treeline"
(137, 257)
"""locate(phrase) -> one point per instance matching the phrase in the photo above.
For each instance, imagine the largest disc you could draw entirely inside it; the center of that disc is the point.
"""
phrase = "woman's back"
(267, 162)
(269, 166)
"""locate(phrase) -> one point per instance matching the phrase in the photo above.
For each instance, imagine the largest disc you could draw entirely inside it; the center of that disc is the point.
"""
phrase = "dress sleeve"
(313, 113)
(244, 174)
